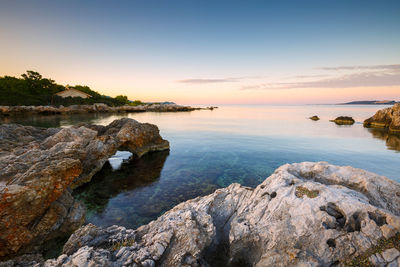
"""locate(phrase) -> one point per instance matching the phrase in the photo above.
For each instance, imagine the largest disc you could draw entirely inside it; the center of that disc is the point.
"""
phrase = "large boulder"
(305, 214)
(39, 167)
(388, 118)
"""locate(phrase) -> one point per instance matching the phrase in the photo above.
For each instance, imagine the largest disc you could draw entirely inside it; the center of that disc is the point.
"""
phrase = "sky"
(209, 52)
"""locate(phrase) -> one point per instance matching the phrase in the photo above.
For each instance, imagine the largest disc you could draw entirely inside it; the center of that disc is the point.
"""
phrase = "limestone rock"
(39, 166)
(271, 225)
(390, 254)
(386, 118)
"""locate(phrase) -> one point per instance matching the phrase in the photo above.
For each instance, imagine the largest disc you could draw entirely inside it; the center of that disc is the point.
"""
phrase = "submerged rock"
(38, 168)
(344, 120)
(305, 214)
(388, 118)
(314, 118)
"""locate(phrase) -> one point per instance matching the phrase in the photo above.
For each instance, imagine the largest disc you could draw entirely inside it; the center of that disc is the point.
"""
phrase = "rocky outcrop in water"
(388, 118)
(305, 214)
(38, 168)
(344, 120)
(95, 108)
(314, 118)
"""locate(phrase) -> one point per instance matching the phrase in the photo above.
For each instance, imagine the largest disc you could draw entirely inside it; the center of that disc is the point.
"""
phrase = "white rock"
(377, 260)
(305, 214)
(390, 254)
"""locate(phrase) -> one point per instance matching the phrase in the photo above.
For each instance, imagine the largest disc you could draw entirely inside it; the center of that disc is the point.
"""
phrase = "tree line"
(33, 89)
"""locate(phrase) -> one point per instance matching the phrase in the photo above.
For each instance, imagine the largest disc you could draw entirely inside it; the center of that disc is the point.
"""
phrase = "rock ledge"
(388, 118)
(38, 168)
(338, 216)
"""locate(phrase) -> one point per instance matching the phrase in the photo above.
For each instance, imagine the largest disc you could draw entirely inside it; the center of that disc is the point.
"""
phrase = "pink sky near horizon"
(287, 96)
(154, 89)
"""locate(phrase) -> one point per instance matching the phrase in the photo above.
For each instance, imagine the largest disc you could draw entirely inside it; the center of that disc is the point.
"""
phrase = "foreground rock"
(38, 168)
(306, 214)
(388, 118)
(344, 120)
(95, 108)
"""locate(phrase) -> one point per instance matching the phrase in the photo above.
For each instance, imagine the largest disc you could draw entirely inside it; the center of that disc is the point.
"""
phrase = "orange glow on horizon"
(288, 96)
(148, 87)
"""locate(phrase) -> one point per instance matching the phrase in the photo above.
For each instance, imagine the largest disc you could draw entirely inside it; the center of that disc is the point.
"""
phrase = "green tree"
(32, 76)
(33, 89)
(122, 98)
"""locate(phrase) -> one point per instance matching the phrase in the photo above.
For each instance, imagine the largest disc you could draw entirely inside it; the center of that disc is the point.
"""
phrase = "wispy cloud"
(309, 76)
(221, 80)
(365, 67)
(203, 81)
(364, 79)
(354, 76)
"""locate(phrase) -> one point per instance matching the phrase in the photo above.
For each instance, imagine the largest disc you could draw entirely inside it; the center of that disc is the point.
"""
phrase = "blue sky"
(153, 49)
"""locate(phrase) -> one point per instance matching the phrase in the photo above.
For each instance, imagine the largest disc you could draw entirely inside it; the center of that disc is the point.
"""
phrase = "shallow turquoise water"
(212, 149)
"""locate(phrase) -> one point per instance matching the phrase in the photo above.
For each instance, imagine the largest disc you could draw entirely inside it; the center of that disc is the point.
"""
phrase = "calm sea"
(231, 144)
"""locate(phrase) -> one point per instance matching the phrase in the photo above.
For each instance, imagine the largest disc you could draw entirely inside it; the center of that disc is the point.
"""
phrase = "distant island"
(371, 102)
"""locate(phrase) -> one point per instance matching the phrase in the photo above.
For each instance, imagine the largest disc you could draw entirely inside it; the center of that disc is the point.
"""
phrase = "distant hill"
(163, 103)
(371, 102)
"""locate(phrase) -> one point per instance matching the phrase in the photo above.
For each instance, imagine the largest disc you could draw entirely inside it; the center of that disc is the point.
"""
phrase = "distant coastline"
(371, 102)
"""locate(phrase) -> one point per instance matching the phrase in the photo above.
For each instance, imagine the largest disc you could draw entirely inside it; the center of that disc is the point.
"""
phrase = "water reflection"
(53, 121)
(108, 184)
(392, 140)
(33, 120)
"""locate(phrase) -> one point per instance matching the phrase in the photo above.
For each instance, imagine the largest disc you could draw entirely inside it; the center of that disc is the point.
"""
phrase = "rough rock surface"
(38, 167)
(305, 214)
(386, 118)
(95, 108)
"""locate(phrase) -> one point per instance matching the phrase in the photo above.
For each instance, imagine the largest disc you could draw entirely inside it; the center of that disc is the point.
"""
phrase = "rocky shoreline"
(304, 214)
(39, 168)
(95, 108)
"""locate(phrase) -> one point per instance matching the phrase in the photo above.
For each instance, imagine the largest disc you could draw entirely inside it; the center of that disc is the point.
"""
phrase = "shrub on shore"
(33, 89)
